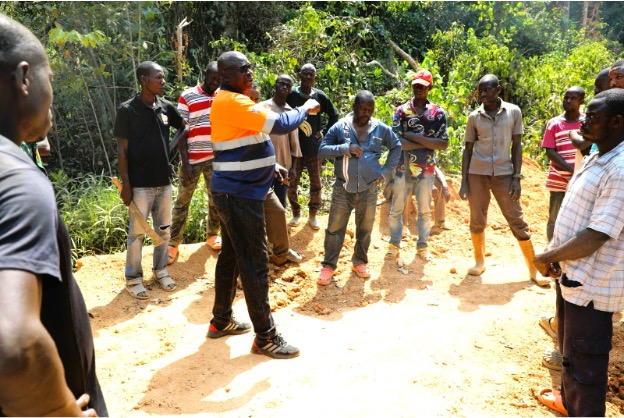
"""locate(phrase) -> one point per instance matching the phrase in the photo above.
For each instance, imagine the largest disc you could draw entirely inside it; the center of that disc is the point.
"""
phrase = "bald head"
(25, 74)
(308, 67)
(236, 71)
(489, 79)
(231, 59)
(17, 44)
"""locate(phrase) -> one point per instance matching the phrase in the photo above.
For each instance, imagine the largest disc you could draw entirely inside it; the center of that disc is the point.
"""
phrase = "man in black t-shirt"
(47, 359)
(142, 132)
(311, 132)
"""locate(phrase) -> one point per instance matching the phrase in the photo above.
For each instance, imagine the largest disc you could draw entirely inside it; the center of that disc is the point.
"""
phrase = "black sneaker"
(233, 328)
(274, 347)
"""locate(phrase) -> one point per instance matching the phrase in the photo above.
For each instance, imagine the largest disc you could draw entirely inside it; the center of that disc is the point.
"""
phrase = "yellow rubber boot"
(529, 254)
(478, 244)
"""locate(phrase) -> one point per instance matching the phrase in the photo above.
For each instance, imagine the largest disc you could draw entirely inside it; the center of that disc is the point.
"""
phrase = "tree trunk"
(180, 47)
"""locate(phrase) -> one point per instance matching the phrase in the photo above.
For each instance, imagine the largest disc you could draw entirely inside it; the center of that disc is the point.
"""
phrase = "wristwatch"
(518, 176)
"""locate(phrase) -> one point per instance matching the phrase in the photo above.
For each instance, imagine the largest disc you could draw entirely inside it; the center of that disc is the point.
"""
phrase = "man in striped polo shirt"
(561, 152)
(244, 168)
(196, 158)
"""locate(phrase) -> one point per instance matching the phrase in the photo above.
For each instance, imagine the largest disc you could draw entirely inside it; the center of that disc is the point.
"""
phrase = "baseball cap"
(422, 77)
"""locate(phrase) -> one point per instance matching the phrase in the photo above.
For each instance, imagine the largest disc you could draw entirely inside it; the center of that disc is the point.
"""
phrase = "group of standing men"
(230, 143)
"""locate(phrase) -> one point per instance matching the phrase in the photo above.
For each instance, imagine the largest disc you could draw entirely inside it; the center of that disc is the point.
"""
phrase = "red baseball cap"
(423, 77)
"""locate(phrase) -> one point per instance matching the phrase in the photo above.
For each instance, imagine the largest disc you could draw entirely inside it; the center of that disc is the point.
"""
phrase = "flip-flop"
(545, 322)
(552, 399)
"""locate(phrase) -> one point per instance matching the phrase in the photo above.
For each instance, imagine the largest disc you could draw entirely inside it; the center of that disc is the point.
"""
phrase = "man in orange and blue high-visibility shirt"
(243, 170)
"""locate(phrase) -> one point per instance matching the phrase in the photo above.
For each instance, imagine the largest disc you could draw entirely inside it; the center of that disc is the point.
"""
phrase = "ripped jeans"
(157, 201)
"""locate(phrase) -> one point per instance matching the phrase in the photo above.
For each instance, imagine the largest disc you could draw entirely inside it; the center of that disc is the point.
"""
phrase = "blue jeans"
(400, 192)
(244, 252)
(157, 201)
(401, 188)
(342, 204)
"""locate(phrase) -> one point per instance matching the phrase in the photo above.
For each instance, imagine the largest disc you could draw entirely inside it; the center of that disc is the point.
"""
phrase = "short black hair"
(146, 68)
(604, 73)
(363, 96)
(211, 68)
(618, 63)
(614, 99)
(577, 89)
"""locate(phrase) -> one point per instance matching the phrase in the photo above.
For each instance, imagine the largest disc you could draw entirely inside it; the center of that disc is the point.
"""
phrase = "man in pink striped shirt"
(196, 157)
(561, 152)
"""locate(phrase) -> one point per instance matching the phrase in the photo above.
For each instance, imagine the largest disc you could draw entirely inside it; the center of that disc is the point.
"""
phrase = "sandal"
(551, 359)
(137, 291)
(214, 242)
(546, 323)
(393, 251)
(424, 255)
(325, 277)
(362, 271)
(552, 399)
(166, 283)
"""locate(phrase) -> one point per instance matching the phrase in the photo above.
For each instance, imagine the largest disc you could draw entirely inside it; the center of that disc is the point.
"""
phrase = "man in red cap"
(421, 127)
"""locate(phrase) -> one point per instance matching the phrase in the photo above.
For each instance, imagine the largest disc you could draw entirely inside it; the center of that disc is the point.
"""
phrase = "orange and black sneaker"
(233, 328)
(274, 347)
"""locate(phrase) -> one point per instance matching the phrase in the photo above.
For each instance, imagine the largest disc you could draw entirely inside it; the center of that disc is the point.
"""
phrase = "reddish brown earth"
(432, 342)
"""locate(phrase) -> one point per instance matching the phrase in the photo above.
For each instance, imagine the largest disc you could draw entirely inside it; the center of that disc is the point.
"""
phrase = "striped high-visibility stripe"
(244, 165)
(240, 142)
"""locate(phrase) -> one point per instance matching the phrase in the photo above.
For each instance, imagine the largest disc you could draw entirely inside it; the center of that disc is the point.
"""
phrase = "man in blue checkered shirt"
(587, 249)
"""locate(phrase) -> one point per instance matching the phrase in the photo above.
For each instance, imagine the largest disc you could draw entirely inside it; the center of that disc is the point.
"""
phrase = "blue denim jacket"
(358, 174)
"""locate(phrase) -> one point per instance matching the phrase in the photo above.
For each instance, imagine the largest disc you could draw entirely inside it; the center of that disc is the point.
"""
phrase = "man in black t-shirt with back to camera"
(47, 359)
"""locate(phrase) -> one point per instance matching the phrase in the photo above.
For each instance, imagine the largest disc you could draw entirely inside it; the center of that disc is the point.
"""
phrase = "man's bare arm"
(32, 379)
(583, 244)
(425, 141)
(558, 160)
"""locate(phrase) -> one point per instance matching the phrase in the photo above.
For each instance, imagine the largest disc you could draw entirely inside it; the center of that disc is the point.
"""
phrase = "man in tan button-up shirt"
(492, 161)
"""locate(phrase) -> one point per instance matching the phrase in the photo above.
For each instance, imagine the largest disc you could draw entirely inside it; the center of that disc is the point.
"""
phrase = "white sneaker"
(294, 221)
(293, 256)
(314, 223)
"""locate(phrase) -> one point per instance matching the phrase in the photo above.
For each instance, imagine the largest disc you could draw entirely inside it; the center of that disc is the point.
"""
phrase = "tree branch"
(407, 57)
(385, 71)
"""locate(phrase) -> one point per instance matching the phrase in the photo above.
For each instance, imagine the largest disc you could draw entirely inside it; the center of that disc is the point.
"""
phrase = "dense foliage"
(536, 48)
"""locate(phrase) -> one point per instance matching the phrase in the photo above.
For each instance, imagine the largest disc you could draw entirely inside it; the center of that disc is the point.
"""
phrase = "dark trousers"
(281, 190)
(244, 251)
(585, 342)
(313, 164)
(556, 198)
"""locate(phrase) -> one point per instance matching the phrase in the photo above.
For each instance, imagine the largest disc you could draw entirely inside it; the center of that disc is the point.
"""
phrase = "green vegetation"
(536, 48)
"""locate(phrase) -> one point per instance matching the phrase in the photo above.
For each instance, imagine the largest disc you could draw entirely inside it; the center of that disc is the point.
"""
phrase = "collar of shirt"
(201, 91)
(137, 102)
(372, 124)
(312, 91)
(428, 106)
(503, 106)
